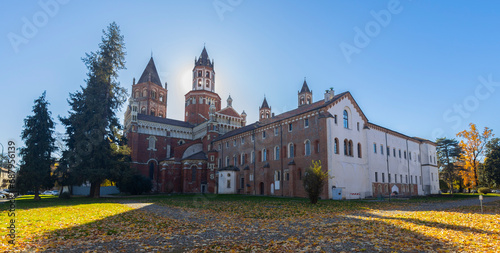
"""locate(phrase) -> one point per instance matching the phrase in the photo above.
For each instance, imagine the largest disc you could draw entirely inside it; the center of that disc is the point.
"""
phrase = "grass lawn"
(250, 223)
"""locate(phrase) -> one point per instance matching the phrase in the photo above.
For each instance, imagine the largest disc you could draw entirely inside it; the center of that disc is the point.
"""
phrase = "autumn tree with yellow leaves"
(473, 146)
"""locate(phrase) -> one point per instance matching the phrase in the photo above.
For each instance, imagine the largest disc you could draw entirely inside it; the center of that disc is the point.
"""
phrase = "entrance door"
(337, 193)
(261, 188)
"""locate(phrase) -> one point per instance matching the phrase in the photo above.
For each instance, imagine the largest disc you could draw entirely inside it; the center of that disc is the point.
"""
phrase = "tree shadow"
(148, 230)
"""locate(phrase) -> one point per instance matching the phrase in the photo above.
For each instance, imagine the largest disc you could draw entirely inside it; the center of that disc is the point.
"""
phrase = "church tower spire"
(264, 110)
(304, 95)
(202, 94)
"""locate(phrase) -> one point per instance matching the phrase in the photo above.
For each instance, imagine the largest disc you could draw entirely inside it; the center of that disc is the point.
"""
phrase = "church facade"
(214, 150)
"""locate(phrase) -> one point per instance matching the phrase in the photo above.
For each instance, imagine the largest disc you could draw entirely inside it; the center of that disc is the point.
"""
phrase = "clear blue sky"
(417, 73)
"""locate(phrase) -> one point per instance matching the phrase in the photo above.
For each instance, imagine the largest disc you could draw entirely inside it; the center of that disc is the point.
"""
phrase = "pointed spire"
(265, 104)
(204, 60)
(305, 87)
(229, 101)
(150, 74)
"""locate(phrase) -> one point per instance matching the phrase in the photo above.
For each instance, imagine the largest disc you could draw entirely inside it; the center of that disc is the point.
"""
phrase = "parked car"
(6, 193)
(2, 196)
(55, 192)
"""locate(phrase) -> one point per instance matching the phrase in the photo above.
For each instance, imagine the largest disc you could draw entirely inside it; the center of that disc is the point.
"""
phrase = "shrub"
(314, 180)
(484, 190)
(136, 184)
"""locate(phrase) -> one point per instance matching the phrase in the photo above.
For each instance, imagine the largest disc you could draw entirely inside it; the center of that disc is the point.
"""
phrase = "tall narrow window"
(306, 123)
(252, 156)
(350, 148)
(193, 173)
(345, 147)
(291, 150)
(346, 119)
(359, 150)
(336, 146)
(376, 176)
(276, 153)
(381, 149)
(374, 148)
(264, 155)
(307, 148)
(290, 127)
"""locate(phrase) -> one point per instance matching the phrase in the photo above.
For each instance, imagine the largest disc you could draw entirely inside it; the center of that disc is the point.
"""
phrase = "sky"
(421, 68)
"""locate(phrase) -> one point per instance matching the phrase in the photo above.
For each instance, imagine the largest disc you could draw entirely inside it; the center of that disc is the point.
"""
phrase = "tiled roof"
(230, 112)
(150, 74)
(198, 156)
(303, 109)
(167, 121)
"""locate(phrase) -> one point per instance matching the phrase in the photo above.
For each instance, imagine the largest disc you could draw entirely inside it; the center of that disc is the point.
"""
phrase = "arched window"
(227, 161)
(144, 93)
(336, 146)
(151, 170)
(199, 82)
(350, 147)
(161, 97)
(307, 147)
(207, 83)
(346, 119)
(152, 112)
(151, 143)
(193, 173)
(136, 93)
(291, 151)
(199, 73)
(235, 161)
(160, 114)
(276, 153)
(207, 75)
(346, 152)
(264, 155)
(359, 150)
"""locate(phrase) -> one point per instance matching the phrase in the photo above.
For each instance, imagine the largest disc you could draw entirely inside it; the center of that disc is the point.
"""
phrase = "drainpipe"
(387, 163)
(281, 161)
(254, 159)
(408, 164)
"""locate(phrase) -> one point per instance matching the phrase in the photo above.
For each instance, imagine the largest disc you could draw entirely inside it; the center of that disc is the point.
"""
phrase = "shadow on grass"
(147, 229)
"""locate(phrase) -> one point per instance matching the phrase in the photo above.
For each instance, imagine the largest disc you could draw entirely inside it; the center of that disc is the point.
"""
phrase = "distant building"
(214, 150)
(4, 178)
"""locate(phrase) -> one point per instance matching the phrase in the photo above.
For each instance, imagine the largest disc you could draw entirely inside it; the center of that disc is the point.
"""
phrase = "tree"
(490, 173)
(448, 155)
(34, 172)
(92, 123)
(314, 180)
(473, 147)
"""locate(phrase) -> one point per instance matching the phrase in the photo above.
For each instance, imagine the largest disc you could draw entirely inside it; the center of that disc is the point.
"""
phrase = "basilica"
(214, 150)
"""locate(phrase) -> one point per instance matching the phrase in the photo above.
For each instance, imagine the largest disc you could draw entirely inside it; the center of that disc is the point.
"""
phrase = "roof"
(198, 156)
(303, 109)
(150, 74)
(305, 88)
(204, 60)
(239, 131)
(264, 104)
(167, 121)
(230, 167)
(230, 112)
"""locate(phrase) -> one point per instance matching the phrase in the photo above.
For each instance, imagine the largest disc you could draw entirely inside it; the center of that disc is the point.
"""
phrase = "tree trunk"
(95, 190)
(37, 194)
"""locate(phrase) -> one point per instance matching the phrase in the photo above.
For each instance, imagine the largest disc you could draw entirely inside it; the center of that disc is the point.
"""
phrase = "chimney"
(329, 94)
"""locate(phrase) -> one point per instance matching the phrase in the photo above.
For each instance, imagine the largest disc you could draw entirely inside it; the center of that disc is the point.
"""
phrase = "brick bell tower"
(148, 94)
(202, 95)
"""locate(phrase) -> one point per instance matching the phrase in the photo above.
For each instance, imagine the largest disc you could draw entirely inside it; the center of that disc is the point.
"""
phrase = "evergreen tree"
(490, 173)
(92, 122)
(448, 155)
(34, 172)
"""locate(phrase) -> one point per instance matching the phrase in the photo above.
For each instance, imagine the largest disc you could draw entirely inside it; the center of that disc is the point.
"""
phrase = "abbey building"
(214, 150)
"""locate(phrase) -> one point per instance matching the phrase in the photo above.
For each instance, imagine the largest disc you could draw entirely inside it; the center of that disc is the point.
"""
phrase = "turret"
(264, 110)
(304, 95)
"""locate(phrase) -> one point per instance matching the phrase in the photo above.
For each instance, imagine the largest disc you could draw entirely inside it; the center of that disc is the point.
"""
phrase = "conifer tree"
(448, 151)
(34, 172)
(92, 123)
